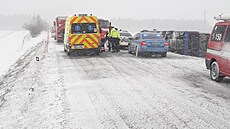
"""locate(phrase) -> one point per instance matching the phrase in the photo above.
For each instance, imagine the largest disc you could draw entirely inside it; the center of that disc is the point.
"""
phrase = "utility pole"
(204, 20)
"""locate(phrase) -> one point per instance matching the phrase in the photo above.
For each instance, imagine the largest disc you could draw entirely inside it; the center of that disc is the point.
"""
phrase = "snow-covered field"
(13, 45)
(113, 90)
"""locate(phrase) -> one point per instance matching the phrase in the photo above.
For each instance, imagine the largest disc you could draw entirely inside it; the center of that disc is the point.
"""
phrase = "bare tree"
(36, 26)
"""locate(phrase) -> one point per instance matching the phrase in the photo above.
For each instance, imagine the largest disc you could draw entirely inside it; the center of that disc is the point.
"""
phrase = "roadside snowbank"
(13, 45)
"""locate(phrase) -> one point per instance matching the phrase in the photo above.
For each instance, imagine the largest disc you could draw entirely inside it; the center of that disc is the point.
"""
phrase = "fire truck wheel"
(215, 72)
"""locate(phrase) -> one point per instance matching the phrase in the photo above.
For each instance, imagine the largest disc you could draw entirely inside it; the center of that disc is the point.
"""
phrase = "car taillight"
(166, 44)
(143, 43)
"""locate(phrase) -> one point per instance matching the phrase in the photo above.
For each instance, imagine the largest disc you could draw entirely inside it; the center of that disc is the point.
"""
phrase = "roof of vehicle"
(150, 33)
(224, 17)
(124, 32)
(101, 19)
(156, 35)
(61, 17)
(223, 23)
(154, 30)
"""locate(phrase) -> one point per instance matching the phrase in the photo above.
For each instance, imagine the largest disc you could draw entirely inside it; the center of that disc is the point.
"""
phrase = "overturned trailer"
(190, 43)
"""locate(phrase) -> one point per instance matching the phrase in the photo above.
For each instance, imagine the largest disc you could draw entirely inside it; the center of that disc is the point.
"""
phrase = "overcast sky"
(140, 9)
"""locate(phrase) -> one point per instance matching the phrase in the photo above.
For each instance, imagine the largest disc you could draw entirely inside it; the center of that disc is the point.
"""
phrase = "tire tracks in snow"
(125, 113)
(104, 114)
(6, 35)
(206, 101)
(15, 71)
(150, 112)
(38, 97)
(183, 104)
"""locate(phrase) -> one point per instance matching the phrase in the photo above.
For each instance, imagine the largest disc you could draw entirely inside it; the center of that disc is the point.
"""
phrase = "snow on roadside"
(13, 45)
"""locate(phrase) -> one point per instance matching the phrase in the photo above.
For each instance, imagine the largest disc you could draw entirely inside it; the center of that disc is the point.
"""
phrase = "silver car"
(124, 39)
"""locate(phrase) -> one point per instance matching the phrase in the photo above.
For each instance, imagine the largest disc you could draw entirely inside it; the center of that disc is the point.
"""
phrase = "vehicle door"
(226, 52)
(67, 32)
(216, 43)
(137, 40)
(85, 35)
(134, 42)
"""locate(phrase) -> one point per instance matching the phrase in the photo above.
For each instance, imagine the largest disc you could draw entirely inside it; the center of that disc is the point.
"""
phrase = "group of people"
(113, 37)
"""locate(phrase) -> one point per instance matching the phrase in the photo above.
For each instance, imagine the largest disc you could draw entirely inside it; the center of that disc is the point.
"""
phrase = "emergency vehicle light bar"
(225, 17)
(82, 15)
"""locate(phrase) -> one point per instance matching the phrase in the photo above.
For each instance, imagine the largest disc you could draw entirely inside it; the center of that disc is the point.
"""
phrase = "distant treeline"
(14, 22)
(135, 25)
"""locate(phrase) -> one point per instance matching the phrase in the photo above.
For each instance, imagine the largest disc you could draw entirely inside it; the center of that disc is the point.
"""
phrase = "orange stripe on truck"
(74, 42)
(89, 43)
(87, 20)
(82, 42)
(70, 38)
(92, 39)
(72, 21)
(93, 19)
(80, 20)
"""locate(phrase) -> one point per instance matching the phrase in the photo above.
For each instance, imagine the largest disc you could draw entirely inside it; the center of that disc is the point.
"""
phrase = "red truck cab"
(218, 49)
(104, 26)
(59, 28)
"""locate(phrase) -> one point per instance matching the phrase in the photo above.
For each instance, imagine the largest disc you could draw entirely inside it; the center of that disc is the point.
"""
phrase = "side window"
(218, 33)
(227, 36)
(137, 37)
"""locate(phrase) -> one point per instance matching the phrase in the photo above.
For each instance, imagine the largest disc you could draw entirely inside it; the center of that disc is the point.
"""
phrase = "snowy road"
(113, 90)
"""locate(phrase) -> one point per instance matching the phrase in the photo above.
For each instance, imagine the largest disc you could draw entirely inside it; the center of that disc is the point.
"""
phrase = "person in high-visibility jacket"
(109, 38)
(115, 39)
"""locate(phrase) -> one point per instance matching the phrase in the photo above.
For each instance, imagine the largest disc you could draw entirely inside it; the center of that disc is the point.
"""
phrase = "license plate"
(156, 44)
(78, 46)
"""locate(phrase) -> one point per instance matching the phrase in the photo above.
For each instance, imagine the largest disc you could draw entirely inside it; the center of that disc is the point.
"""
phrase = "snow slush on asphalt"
(113, 90)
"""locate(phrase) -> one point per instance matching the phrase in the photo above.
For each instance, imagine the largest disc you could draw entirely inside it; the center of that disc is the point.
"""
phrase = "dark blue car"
(148, 43)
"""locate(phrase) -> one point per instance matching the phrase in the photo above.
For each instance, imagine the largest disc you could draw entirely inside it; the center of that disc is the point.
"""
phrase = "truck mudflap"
(207, 63)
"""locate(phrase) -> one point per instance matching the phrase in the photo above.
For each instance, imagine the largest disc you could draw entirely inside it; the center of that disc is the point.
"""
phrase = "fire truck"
(104, 26)
(59, 24)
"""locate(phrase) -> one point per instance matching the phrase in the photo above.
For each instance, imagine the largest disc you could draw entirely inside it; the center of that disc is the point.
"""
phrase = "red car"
(218, 49)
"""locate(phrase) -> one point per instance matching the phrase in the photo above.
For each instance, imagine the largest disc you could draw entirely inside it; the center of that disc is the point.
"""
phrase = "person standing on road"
(109, 38)
(115, 39)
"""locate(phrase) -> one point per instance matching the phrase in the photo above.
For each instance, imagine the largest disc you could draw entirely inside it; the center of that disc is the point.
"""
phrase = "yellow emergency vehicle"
(82, 34)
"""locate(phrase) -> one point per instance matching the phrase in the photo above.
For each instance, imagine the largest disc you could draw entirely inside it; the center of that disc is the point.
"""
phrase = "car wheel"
(164, 54)
(215, 72)
(97, 52)
(65, 49)
(129, 50)
(68, 52)
(137, 53)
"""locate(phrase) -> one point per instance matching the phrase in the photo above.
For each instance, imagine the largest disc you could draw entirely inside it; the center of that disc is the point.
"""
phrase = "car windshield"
(83, 28)
(126, 34)
(151, 36)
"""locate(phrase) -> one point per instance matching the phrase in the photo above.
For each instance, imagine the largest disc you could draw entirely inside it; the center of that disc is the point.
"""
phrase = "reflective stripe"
(223, 54)
(215, 52)
(89, 40)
